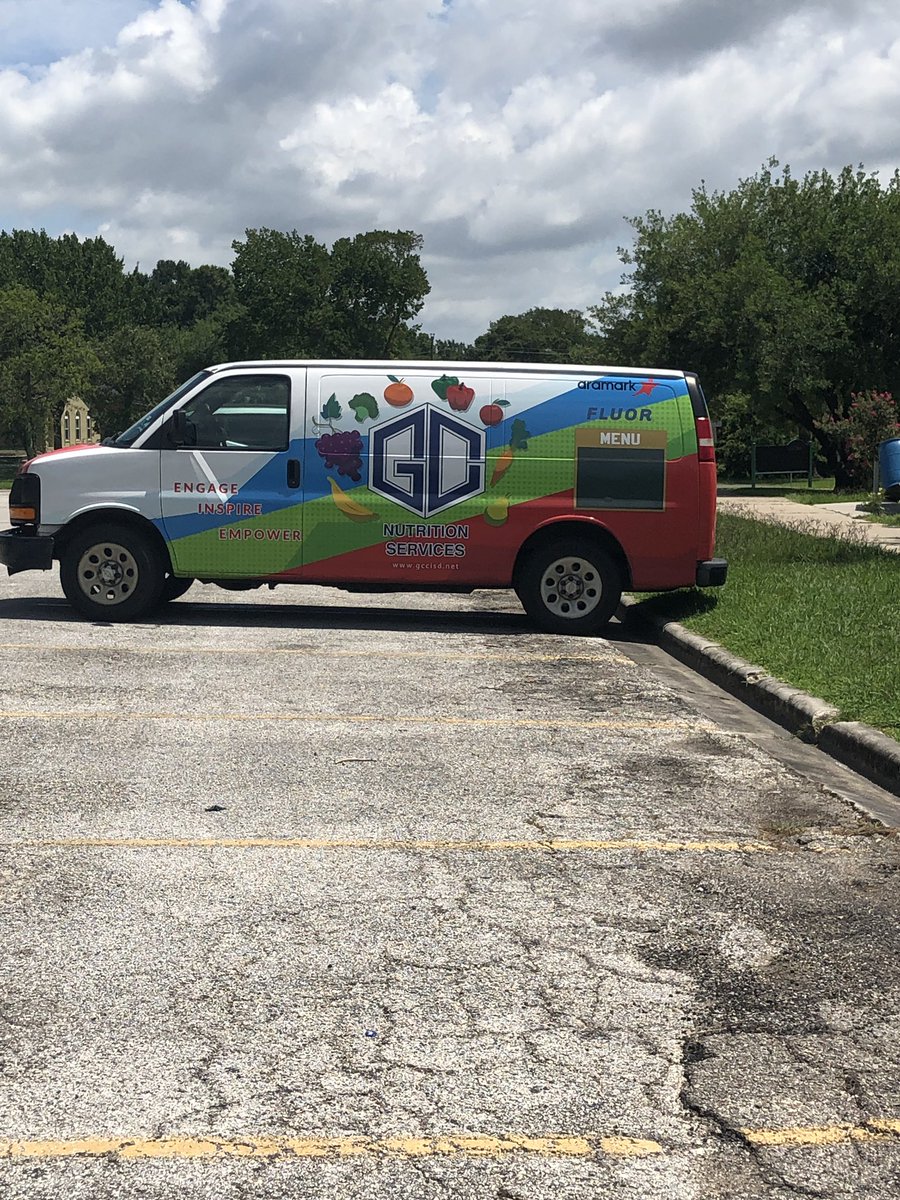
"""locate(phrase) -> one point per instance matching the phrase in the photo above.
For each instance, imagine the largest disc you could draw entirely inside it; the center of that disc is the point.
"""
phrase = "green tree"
(740, 423)
(299, 300)
(413, 342)
(452, 350)
(200, 345)
(783, 289)
(872, 417)
(281, 282)
(135, 371)
(45, 358)
(378, 285)
(539, 335)
(178, 295)
(84, 275)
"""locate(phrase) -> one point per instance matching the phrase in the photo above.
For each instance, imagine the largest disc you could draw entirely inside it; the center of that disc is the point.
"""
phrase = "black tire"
(174, 587)
(134, 577)
(590, 586)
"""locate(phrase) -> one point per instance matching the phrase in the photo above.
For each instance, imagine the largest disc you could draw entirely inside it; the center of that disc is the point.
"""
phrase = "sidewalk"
(822, 519)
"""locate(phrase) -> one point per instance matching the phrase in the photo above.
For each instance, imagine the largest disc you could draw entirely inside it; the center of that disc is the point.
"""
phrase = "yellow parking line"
(321, 652)
(75, 714)
(550, 845)
(466, 1145)
(878, 1129)
(461, 1145)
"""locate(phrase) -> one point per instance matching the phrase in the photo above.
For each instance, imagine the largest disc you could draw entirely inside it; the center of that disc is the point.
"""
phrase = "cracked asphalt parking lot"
(309, 895)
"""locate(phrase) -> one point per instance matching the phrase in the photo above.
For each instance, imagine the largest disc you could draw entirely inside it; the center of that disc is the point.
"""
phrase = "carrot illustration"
(502, 465)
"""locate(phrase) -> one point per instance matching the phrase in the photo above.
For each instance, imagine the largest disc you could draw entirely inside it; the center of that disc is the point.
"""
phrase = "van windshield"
(133, 432)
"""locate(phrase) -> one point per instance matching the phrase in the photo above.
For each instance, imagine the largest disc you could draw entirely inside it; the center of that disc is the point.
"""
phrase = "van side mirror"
(182, 432)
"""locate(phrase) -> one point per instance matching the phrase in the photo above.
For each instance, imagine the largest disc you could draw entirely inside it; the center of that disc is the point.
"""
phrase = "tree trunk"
(832, 450)
(28, 430)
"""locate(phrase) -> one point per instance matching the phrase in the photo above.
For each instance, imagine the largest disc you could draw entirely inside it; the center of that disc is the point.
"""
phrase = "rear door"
(231, 495)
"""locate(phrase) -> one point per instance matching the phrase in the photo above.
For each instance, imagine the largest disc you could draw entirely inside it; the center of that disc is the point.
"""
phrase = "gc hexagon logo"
(426, 460)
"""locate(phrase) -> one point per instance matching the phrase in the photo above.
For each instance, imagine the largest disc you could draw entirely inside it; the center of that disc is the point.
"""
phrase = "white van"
(567, 483)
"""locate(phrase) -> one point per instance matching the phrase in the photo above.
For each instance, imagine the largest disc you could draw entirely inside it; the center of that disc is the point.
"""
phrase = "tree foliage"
(741, 422)
(783, 289)
(539, 335)
(871, 418)
(281, 282)
(378, 286)
(82, 276)
(177, 295)
(134, 372)
(300, 300)
(45, 358)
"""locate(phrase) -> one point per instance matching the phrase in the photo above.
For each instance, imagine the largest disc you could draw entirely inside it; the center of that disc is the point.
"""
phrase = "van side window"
(240, 412)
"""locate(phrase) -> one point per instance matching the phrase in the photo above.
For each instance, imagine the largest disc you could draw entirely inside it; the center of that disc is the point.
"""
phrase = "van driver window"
(240, 412)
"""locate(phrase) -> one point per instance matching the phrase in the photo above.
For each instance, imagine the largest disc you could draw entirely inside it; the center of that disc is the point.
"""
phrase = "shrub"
(871, 418)
(739, 426)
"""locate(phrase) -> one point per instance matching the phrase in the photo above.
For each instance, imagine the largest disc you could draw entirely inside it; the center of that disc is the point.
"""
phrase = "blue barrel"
(889, 467)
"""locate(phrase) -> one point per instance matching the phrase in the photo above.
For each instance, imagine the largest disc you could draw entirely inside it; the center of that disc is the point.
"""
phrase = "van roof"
(460, 368)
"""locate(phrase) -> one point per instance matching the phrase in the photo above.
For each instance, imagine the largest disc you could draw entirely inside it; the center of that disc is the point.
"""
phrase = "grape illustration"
(342, 452)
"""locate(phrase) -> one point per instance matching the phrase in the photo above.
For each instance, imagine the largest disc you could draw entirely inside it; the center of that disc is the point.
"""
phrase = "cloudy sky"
(515, 135)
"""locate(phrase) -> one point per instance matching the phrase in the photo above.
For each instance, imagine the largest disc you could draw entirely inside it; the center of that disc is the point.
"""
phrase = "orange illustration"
(397, 393)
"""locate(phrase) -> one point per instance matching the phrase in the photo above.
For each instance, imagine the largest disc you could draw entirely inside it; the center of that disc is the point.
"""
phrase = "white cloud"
(514, 136)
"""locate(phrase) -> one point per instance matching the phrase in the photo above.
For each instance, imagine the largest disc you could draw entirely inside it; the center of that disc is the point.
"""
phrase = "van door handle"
(293, 472)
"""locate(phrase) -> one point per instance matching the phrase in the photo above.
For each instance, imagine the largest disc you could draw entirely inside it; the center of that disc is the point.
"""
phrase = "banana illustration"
(349, 507)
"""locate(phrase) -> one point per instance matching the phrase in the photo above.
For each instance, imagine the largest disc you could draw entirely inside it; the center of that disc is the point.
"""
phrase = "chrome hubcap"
(107, 573)
(570, 587)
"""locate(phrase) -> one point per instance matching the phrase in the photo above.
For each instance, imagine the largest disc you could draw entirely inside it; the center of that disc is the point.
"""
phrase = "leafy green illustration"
(331, 411)
(519, 437)
(364, 405)
(441, 386)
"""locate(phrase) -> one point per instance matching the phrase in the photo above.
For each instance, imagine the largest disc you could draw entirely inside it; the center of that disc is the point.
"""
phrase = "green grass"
(822, 492)
(5, 484)
(829, 497)
(820, 613)
(771, 487)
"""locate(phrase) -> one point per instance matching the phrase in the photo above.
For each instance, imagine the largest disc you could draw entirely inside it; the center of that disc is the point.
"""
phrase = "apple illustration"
(492, 414)
(460, 396)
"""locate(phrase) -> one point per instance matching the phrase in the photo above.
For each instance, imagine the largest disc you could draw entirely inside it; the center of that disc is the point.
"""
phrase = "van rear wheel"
(570, 586)
(112, 573)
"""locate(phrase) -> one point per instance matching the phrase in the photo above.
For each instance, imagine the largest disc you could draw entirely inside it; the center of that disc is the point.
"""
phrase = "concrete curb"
(865, 750)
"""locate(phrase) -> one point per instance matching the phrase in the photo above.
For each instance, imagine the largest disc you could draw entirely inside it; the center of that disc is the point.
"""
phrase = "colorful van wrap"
(568, 483)
(437, 477)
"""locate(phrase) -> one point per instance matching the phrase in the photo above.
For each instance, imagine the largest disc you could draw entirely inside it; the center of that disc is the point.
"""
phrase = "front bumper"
(712, 572)
(20, 551)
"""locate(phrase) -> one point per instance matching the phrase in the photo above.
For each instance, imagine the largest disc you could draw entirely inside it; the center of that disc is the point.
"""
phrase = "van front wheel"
(174, 587)
(112, 573)
(570, 586)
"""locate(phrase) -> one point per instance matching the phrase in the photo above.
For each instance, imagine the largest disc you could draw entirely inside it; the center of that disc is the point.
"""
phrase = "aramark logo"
(426, 460)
